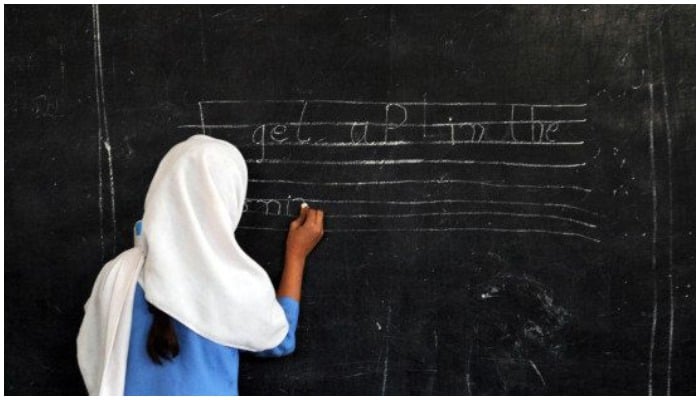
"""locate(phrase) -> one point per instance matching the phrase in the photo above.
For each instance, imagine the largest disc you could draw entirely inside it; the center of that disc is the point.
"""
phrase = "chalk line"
(467, 375)
(420, 181)
(251, 101)
(498, 213)
(407, 143)
(108, 148)
(107, 144)
(404, 103)
(391, 125)
(201, 118)
(652, 177)
(410, 161)
(500, 230)
(301, 120)
(100, 200)
(425, 114)
(669, 155)
(440, 214)
(307, 142)
(446, 201)
(201, 37)
(532, 126)
(511, 126)
(386, 351)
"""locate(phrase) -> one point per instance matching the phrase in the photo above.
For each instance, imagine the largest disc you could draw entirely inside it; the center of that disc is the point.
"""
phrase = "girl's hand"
(304, 233)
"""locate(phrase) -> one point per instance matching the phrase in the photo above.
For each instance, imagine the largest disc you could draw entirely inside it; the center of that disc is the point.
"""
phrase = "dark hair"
(162, 340)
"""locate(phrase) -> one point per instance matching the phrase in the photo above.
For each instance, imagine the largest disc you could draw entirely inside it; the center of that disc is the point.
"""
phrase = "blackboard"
(509, 190)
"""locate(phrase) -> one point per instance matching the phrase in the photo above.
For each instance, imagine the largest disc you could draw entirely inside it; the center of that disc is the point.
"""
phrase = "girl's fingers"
(303, 213)
(311, 217)
(299, 221)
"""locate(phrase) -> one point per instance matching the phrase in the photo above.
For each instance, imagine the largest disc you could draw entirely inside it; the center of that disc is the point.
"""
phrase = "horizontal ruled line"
(418, 181)
(252, 101)
(393, 126)
(405, 103)
(414, 161)
(440, 214)
(407, 143)
(522, 215)
(402, 142)
(502, 230)
(445, 201)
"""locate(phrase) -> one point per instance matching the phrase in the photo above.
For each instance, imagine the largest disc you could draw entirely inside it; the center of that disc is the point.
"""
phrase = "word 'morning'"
(284, 207)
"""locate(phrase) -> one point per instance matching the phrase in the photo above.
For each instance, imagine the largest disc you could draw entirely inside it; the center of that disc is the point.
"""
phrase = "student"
(169, 316)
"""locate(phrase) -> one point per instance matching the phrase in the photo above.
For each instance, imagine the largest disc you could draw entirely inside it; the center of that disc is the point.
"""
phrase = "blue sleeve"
(291, 311)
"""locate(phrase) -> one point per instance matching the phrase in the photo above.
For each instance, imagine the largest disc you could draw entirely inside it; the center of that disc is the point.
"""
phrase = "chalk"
(304, 205)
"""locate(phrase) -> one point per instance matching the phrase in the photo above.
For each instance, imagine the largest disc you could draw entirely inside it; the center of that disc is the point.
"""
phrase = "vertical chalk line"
(201, 117)
(532, 126)
(669, 155)
(63, 71)
(301, 120)
(654, 202)
(107, 143)
(512, 118)
(201, 37)
(425, 114)
(467, 375)
(436, 345)
(386, 351)
(100, 201)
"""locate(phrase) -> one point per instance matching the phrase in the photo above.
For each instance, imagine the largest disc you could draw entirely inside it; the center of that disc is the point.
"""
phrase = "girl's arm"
(304, 234)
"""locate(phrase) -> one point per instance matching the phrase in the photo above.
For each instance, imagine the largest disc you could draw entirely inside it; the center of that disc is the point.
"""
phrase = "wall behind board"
(509, 190)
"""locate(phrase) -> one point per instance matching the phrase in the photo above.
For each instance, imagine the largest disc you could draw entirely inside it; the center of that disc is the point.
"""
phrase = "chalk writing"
(376, 123)
(363, 137)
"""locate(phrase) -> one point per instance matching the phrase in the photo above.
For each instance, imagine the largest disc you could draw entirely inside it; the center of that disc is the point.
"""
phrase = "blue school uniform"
(202, 367)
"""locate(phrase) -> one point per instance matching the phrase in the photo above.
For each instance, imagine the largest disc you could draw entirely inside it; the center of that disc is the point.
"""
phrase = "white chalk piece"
(304, 205)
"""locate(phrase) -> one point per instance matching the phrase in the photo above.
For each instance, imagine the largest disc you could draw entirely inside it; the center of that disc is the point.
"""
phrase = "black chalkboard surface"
(509, 190)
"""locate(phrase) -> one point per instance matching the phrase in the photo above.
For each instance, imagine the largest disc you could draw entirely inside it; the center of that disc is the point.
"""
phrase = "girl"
(168, 316)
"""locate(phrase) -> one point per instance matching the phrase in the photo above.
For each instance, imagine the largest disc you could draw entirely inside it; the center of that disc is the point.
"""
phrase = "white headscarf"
(194, 271)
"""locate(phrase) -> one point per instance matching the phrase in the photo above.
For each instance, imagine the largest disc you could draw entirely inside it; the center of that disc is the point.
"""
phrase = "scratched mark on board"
(520, 326)
(367, 147)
